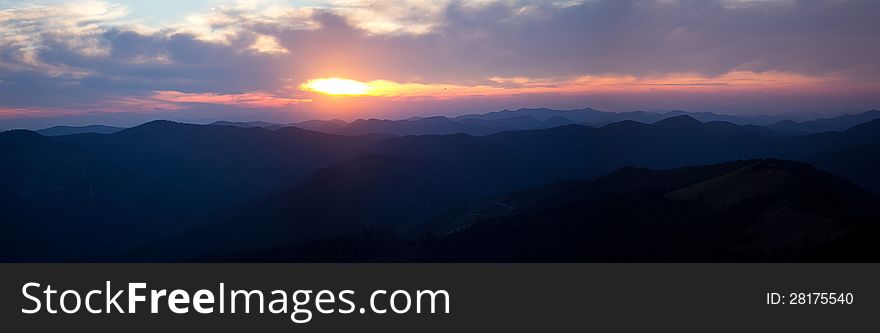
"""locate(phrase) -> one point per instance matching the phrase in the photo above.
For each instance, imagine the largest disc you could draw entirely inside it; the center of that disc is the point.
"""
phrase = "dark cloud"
(642, 37)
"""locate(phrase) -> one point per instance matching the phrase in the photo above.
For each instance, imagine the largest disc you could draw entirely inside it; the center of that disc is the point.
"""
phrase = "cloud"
(248, 54)
(244, 100)
(268, 45)
(25, 32)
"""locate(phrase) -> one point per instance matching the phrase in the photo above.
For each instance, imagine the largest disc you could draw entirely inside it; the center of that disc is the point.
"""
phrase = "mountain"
(856, 156)
(579, 151)
(410, 184)
(326, 126)
(150, 181)
(743, 119)
(249, 124)
(187, 191)
(849, 120)
(68, 130)
(224, 161)
(524, 119)
(59, 201)
(799, 128)
(767, 210)
(397, 185)
(515, 123)
(599, 118)
(764, 210)
(542, 114)
(543, 118)
(839, 123)
(478, 125)
(431, 125)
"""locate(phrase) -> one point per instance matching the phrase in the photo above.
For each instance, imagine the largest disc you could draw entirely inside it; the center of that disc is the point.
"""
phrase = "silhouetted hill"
(224, 162)
(839, 123)
(431, 126)
(409, 184)
(855, 156)
(326, 126)
(599, 118)
(425, 176)
(679, 122)
(764, 210)
(743, 119)
(868, 132)
(263, 124)
(577, 151)
(799, 128)
(542, 118)
(68, 130)
(59, 201)
(500, 121)
(750, 210)
(146, 182)
(514, 123)
(570, 152)
(542, 114)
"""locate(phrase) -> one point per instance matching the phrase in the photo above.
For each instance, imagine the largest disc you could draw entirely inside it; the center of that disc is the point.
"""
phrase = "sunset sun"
(336, 86)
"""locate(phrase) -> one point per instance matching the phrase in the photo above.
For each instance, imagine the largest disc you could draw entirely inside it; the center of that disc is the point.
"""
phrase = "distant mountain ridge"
(522, 119)
(589, 116)
(249, 124)
(839, 123)
(542, 118)
(69, 130)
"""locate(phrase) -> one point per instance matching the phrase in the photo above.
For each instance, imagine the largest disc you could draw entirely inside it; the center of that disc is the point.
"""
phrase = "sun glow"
(336, 86)
(737, 81)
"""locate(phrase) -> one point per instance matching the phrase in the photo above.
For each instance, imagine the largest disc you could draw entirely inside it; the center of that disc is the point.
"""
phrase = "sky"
(127, 62)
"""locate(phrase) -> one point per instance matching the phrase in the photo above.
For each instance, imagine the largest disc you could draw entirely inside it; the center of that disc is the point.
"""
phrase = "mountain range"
(523, 119)
(752, 210)
(541, 118)
(68, 130)
(166, 191)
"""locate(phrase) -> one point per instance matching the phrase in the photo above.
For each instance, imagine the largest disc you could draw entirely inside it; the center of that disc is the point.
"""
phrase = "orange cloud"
(113, 105)
(19, 112)
(165, 100)
(244, 100)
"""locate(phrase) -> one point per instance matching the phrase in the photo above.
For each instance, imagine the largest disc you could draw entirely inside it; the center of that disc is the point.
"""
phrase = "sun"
(336, 86)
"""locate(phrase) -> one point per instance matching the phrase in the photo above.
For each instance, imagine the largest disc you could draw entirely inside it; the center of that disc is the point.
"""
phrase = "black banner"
(478, 297)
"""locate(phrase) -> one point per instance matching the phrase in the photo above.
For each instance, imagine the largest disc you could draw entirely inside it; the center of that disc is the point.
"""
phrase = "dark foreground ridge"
(764, 210)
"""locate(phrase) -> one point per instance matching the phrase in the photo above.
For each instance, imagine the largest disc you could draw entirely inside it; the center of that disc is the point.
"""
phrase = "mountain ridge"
(218, 183)
(636, 214)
